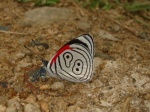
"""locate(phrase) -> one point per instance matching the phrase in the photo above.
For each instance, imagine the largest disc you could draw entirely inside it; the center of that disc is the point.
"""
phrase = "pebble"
(57, 86)
(96, 83)
(147, 96)
(45, 106)
(2, 108)
(14, 104)
(11, 109)
(106, 35)
(147, 104)
(20, 55)
(18, 88)
(23, 64)
(73, 108)
(40, 97)
(83, 26)
(116, 28)
(45, 87)
(96, 110)
(31, 108)
(31, 98)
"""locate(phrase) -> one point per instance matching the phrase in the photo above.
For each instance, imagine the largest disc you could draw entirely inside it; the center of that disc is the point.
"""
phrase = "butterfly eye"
(78, 64)
(67, 58)
(78, 67)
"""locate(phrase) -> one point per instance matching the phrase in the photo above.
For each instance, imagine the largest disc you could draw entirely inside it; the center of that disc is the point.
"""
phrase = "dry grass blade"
(14, 33)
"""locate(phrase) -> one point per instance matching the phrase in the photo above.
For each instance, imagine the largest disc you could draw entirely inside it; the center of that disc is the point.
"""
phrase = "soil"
(121, 80)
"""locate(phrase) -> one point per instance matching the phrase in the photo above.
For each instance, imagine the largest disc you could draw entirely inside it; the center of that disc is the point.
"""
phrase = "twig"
(125, 27)
(14, 33)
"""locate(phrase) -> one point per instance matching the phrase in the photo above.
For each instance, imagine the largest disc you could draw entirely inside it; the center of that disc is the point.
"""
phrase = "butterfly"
(74, 61)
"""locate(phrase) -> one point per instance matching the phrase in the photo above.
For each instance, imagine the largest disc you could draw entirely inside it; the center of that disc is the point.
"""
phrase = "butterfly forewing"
(74, 61)
(88, 41)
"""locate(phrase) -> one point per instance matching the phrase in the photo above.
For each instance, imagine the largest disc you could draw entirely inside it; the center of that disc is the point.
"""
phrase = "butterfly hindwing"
(74, 61)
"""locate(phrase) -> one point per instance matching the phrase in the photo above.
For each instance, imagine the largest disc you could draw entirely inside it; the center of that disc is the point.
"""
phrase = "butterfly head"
(45, 62)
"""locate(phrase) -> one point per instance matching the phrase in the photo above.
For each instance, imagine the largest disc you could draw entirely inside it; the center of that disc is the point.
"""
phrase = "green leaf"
(137, 6)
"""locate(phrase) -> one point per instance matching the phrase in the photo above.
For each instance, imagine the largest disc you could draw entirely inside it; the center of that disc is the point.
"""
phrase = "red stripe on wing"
(67, 47)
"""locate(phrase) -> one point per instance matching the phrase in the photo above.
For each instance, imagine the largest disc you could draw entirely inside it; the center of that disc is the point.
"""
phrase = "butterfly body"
(74, 61)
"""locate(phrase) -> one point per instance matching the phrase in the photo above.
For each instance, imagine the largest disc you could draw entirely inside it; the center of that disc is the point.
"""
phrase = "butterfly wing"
(74, 61)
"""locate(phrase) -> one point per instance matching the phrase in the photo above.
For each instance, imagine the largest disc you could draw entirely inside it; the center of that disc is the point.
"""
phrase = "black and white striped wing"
(74, 61)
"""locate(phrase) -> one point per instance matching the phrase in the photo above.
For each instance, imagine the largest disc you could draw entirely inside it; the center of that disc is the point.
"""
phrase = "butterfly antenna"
(35, 44)
(28, 49)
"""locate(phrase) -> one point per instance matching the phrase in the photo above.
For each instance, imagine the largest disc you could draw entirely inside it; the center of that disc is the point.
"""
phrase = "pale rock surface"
(46, 15)
(31, 108)
(57, 85)
(31, 98)
(2, 108)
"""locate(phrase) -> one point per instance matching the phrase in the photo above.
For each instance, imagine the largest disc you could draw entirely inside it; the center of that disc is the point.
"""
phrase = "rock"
(105, 104)
(144, 35)
(14, 105)
(73, 108)
(11, 109)
(106, 35)
(31, 108)
(45, 87)
(97, 83)
(147, 104)
(3, 100)
(2, 108)
(23, 64)
(44, 106)
(86, 91)
(20, 55)
(13, 102)
(31, 98)
(18, 88)
(60, 105)
(83, 26)
(57, 86)
(40, 97)
(96, 110)
(115, 28)
(147, 96)
(46, 15)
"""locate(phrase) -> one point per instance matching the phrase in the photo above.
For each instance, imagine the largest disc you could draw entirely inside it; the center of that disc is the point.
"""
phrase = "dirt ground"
(121, 81)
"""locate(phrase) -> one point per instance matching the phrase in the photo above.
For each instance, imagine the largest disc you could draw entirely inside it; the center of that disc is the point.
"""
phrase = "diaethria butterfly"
(74, 61)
